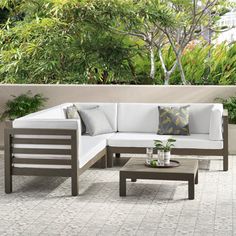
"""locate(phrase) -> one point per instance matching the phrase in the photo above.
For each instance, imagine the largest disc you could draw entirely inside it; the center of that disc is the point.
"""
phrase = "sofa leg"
(74, 186)
(117, 155)
(8, 183)
(8, 176)
(104, 162)
(109, 158)
(225, 162)
(7, 162)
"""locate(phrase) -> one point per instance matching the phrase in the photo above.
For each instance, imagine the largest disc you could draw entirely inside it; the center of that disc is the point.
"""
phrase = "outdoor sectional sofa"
(45, 143)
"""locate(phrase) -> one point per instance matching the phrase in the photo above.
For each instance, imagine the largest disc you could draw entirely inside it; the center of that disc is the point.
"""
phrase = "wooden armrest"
(225, 112)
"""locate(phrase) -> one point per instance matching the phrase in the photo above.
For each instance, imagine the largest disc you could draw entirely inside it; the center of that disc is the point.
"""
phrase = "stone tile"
(223, 233)
(165, 232)
(109, 230)
(145, 232)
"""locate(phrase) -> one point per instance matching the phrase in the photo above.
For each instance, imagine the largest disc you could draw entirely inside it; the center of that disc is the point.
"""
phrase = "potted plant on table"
(22, 105)
(165, 147)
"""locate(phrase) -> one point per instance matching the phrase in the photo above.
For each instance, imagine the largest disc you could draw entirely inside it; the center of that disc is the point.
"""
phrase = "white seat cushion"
(90, 146)
(196, 141)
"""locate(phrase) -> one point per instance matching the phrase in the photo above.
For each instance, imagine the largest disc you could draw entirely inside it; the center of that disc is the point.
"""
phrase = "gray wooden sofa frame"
(105, 156)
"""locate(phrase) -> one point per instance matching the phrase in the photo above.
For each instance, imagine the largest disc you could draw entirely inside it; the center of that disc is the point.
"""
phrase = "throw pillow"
(72, 113)
(95, 121)
(173, 120)
(84, 131)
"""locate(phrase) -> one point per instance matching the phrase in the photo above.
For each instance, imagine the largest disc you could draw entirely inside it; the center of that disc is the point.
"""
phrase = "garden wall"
(117, 93)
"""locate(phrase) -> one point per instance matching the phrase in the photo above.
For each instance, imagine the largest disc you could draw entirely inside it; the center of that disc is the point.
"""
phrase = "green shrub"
(22, 105)
(230, 105)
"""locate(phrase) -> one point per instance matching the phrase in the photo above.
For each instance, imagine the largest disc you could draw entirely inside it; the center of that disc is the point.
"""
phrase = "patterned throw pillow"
(72, 113)
(174, 120)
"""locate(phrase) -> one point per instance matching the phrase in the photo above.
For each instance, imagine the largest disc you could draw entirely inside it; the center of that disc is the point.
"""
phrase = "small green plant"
(22, 105)
(230, 105)
(164, 145)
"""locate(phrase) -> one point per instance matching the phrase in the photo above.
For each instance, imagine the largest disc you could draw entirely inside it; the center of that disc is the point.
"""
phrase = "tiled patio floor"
(43, 206)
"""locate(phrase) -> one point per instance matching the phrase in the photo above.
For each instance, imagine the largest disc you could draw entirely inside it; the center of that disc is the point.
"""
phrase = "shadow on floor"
(39, 187)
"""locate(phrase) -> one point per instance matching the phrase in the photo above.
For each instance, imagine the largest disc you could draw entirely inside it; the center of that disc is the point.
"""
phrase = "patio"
(42, 205)
(84, 81)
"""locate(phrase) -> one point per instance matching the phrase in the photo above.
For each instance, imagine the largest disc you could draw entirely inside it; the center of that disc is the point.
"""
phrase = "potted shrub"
(230, 105)
(165, 147)
(22, 105)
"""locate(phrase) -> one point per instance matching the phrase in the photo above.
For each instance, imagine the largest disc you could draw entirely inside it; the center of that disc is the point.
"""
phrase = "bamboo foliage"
(84, 41)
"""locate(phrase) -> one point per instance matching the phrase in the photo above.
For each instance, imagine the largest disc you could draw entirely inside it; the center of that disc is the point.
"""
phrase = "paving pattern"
(43, 205)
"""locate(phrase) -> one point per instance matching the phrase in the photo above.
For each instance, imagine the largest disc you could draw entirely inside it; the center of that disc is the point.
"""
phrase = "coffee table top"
(136, 164)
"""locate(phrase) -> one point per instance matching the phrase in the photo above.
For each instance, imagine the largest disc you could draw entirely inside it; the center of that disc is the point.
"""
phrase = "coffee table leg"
(122, 185)
(196, 178)
(191, 186)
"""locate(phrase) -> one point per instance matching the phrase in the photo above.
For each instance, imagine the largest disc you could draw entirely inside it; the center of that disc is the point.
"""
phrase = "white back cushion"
(199, 118)
(215, 130)
(109, 109)
(51, 118)
(205, 118)
(137, 117)
(144, 117)
(56, 112)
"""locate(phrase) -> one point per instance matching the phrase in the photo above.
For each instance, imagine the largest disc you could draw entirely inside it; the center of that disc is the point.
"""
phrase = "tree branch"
(173, 67)
(139, 35)
(162, 60)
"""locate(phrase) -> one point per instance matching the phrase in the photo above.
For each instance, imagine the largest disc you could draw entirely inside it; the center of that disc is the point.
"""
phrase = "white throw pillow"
(95, 121)
(215, 131)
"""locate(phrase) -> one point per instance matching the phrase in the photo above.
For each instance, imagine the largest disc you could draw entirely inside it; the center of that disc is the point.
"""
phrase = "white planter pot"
(166, 158)
(232, 139)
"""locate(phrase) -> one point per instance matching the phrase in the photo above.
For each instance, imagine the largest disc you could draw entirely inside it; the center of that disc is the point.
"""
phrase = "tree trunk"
(167, 73)
(181, 69)
(152, 61)
(167, 78)
(178, 54)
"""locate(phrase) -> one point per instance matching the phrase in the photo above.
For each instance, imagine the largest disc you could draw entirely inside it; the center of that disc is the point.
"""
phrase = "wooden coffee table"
(135, 169)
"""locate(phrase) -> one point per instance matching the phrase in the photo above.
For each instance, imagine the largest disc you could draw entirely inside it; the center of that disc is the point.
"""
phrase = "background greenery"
(229, 104)
(82, 41)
